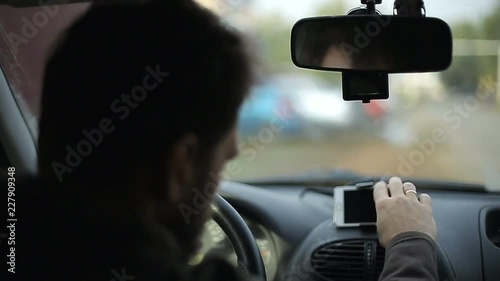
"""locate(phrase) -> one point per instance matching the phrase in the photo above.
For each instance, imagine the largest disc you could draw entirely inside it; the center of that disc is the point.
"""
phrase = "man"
(139, 107)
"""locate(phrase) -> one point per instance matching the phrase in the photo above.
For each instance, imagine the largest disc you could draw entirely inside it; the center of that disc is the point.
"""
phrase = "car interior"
(420, 101)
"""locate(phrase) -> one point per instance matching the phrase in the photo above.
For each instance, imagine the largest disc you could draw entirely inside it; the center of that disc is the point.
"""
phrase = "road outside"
(449, 140)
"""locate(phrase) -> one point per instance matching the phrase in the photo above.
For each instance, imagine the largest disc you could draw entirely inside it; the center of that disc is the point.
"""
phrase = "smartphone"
(354, 206)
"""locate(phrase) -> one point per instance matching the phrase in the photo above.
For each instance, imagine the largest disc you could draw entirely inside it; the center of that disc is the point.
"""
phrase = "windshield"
(435, 125)
(439, 126)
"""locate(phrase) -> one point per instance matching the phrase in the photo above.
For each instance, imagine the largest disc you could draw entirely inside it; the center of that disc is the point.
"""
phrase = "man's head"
(139, 106)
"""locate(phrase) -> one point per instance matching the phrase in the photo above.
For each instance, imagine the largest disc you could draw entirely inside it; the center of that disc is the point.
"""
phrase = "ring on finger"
(410, 191)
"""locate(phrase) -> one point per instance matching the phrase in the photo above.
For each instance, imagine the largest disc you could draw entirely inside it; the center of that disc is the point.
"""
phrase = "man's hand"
(400, 210)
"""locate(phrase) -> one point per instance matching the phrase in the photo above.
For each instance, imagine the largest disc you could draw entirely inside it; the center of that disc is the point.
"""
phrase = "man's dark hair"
(199, 74)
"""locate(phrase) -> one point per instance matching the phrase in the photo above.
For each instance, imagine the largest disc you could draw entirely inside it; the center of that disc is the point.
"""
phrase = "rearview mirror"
(392, 44)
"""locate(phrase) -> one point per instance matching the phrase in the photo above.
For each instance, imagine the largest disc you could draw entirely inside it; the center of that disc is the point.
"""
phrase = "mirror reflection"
(372, 43)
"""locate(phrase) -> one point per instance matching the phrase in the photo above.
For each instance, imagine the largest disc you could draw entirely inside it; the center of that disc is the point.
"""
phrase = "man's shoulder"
(64, 239)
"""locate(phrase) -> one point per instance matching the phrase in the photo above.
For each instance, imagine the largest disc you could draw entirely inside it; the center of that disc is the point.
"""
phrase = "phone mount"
(414, 8)
(370, 8)
(370, 5)
(366, 86)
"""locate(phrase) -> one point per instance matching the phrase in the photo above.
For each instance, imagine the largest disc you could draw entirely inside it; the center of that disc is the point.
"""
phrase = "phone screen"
(359, 206)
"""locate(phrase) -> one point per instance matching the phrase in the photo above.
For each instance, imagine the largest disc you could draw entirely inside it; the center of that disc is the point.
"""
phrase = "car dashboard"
(298, 240)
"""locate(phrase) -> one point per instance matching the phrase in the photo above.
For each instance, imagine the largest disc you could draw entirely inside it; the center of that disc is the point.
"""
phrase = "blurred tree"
(465, 72)
(273, 35)
(490, 31)
(332, 8)
(490, 24)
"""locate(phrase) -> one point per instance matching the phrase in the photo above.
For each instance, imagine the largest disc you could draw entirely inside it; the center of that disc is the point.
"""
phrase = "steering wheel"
(247, 251)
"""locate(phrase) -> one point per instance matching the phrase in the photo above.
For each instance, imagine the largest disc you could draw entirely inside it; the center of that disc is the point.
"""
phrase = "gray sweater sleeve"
(410, 256)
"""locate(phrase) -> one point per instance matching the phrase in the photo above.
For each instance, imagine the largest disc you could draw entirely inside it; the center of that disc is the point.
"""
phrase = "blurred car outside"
(315, 110)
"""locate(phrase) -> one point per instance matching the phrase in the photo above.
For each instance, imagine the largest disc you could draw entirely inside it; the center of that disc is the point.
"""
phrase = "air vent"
(349, 260)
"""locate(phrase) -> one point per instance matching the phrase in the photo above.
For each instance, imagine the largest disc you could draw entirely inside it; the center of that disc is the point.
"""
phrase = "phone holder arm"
(370, 5)
(414, 8)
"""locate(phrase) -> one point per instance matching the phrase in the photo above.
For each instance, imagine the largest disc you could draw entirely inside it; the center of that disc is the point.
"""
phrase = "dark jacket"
(60, 237)
(410, 256)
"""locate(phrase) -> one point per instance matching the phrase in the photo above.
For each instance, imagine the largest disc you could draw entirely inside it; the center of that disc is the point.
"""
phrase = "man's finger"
(396, 186)
(380, 191)
(425, 199)
(410, 190)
